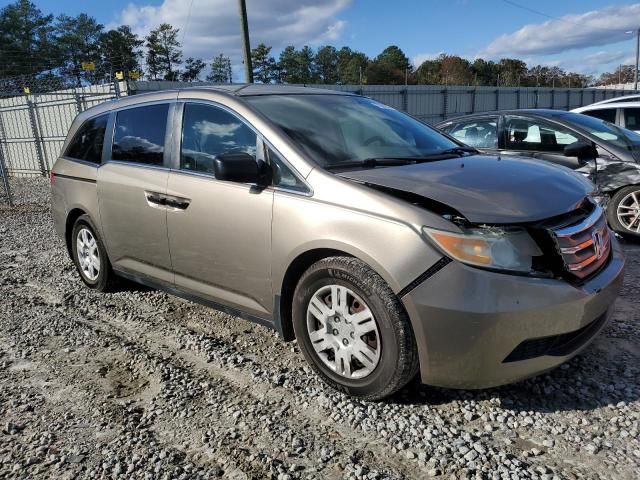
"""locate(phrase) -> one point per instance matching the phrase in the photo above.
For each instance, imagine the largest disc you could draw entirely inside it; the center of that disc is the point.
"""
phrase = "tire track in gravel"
(241, 388)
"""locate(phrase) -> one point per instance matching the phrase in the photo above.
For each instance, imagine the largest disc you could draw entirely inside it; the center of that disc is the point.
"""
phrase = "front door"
(219, 232)
(130, 184)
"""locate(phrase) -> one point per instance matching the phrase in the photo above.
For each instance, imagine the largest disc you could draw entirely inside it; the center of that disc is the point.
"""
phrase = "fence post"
(497, 99)
(405, 99)
(116, 87)
(4, 171)
(536, 100)
(518, 98)
(445, 103)
(473, 99)
(5, 179)
(76, 95)
(582, 97)
(36, 135)
(553, 98)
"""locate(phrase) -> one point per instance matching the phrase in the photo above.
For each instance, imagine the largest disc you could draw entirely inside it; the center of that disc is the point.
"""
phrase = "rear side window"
(208, 131)
(88, 141)
(606, 114)
(139, 134)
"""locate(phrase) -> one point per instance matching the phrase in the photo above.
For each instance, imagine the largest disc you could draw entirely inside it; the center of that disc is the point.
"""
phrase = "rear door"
(130, 189)
(219, 231)
(631, 118)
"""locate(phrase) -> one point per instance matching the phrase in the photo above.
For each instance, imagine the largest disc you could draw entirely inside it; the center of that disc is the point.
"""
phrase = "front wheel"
(353, 330)
(624, 211)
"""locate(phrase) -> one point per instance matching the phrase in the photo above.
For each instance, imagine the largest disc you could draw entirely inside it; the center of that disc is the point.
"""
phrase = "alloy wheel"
(343, 331)
(628, 212)
(88, 254)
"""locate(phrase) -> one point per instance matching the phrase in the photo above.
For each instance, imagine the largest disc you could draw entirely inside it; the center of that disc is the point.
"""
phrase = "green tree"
(78, 41)
(306, 66)
(512, 71)
(455, 70)
(352, 66)
(484, 72)
(392, 67)
(326, 62)
(287, 65)
(428, 72)
(263, 63)
(220, 69)
(164, 52)
(192, 69)
(26, 40)
(120, 50)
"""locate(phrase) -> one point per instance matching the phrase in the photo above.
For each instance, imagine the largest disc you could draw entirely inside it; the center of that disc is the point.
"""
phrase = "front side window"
(88, 141)
(535, 135)
(632, 118)
(208, 131)
(340, 129)
(477, 133)
(139, 134)
(606, 132)
(606, 114)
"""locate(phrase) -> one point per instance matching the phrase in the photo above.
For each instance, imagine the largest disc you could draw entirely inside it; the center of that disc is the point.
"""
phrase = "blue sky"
(583, 35)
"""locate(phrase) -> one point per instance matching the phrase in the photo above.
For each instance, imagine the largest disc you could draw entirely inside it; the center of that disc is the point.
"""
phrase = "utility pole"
(635, 72)
(246, 48)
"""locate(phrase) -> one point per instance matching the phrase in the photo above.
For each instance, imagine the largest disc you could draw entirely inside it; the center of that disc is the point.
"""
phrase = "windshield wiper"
(458, 150)
(374, 162)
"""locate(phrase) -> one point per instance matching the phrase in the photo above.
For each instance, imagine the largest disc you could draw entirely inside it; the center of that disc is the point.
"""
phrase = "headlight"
(492, 247)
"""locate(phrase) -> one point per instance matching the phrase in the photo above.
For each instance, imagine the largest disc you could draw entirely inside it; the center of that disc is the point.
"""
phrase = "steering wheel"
(375, 138)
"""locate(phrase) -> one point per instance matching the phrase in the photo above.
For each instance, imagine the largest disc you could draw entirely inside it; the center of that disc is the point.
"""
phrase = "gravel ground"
(139, 384)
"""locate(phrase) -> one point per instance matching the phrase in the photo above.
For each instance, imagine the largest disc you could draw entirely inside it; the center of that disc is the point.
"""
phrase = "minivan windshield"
(605, 131)
(343, 130)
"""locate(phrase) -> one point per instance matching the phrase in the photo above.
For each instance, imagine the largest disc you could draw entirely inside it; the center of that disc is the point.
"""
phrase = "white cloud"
(420, 58)
(214, 25)
(575, 31)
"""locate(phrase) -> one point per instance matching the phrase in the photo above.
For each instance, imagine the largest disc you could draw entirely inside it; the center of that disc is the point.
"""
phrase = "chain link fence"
(33, 126)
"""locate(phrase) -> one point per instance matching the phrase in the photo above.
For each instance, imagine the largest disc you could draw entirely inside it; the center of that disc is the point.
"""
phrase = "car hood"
(486, 189)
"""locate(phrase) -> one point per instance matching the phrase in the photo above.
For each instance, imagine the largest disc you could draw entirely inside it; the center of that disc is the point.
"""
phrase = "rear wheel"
(353, 330)
(624, 211)
(90, 256)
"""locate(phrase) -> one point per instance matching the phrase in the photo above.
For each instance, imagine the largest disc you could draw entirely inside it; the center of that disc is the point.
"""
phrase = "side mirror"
(585, 151)
(237, 167)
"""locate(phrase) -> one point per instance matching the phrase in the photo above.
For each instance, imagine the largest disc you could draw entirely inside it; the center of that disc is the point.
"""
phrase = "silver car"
(383, 247)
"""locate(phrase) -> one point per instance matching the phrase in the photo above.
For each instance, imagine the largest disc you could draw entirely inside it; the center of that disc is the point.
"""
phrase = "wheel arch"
(70, 221)
(299, 264)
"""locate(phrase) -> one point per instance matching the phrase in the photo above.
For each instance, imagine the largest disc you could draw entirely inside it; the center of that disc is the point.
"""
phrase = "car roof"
(624, 98)
(609, 105)
(541, 112)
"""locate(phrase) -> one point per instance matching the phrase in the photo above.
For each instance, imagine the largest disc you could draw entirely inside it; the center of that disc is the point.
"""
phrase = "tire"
(92, 264)
(372, 325)
(623, 211)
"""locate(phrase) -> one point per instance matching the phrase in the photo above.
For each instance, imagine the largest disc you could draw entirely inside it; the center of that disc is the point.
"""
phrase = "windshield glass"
(337, 129)
(605, 131)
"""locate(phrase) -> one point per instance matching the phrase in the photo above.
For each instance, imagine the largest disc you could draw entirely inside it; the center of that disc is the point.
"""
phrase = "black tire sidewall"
(612, 210)
(314, 279)
(101, 282)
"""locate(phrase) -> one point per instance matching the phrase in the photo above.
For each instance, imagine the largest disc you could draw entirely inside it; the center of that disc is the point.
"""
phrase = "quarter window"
(529, 134)
(139, 134)
(632, 118)
(208, 131)
(87, 143)
(283, 175)
(606, 114)
(479, 133)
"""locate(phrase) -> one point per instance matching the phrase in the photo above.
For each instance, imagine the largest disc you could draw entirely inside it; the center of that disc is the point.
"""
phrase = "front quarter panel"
(382, 231)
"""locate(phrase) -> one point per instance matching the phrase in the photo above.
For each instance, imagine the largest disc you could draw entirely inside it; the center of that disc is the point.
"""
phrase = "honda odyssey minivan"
(382, 246)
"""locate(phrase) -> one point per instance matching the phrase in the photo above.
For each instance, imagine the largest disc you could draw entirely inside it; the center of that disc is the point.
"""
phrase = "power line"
(186, 25)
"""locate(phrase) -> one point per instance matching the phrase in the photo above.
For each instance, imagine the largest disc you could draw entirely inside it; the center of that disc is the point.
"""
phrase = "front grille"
(556, 345)
(584, 245)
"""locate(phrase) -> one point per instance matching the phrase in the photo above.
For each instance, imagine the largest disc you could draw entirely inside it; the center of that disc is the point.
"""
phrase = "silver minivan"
(385, 248)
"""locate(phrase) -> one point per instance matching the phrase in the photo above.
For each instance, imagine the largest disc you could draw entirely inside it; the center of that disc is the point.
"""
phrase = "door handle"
(154, 199)
(177, 203)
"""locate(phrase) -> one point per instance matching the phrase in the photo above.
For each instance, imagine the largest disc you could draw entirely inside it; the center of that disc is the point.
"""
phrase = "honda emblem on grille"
(598, 243)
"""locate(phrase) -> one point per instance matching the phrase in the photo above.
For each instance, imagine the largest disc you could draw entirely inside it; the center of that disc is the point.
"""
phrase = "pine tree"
(264, 66)
(163, 52)
(193, 67)
(220, 69)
